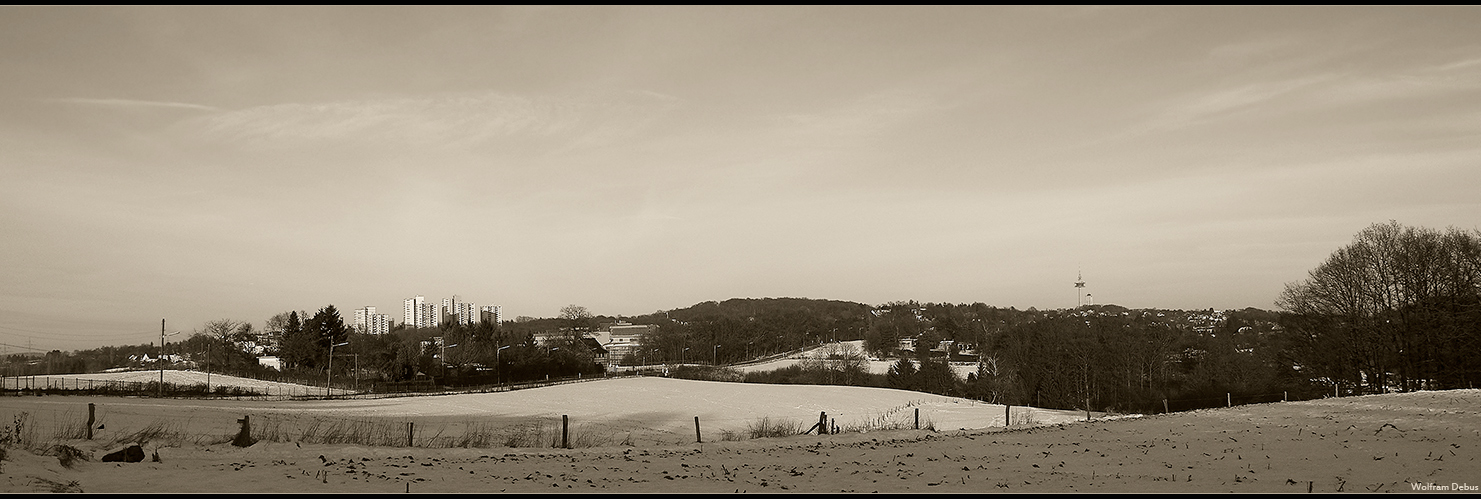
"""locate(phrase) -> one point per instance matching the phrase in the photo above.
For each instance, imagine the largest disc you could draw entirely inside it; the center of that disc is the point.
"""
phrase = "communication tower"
(1079, 290)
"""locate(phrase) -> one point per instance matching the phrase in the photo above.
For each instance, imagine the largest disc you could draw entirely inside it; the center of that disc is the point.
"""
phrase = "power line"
(50, 334)
(23, 348)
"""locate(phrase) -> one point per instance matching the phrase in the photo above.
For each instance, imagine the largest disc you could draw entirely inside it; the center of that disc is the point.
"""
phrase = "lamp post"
(715, 355)
(160, 360)
(357, 368)
(330, 369)
(499, 364)
(443, 358)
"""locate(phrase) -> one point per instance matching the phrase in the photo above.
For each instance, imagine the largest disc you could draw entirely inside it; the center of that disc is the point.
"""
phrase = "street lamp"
(715, 355)
(499, 364)
(443, 358)
(330, 369)
(161, 359)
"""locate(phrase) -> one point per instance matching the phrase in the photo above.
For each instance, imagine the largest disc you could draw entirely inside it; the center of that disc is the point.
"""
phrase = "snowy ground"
(1380, 443)
(644, 409)
(175, 377)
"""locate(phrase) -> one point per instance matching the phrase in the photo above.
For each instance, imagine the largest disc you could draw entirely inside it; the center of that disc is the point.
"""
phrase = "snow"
(1375, 443)
(175, 377)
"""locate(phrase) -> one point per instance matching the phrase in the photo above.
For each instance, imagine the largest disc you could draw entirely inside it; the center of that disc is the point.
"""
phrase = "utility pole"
(161, 359)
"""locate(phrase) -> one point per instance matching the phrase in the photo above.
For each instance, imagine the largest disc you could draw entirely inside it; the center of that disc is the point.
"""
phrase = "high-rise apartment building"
(411, 310)
(378, 324)
(362, 318)
(369, 322)
(467, 314)
(415, 313)
(492, 314)
(431, 316)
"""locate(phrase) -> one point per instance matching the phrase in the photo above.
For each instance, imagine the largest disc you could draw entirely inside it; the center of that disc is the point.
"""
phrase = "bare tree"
(1391, 309)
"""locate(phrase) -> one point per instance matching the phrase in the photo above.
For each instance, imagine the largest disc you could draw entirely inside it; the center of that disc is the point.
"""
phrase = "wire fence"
(36, 424)
(114, 422)
(264, 389)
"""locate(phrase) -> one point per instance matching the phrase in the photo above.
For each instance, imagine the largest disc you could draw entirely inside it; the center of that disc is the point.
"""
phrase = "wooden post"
(1164, 406)
(1228, 400)
(244, 437)
(1087, 408)
(1007, 414)
(410, 430)
(565, 425)
(697, 439)
(917, 418)
(1283, 396)
(90, 420)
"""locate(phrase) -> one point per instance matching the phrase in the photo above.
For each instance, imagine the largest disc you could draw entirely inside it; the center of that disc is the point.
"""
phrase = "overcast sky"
(191, 164)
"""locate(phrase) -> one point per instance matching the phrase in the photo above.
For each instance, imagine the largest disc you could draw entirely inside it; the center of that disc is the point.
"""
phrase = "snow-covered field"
(174, 377)
(1379, 443)
(649, 409)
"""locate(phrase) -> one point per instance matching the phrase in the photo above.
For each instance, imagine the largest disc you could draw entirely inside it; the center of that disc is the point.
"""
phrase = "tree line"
(1399, 309)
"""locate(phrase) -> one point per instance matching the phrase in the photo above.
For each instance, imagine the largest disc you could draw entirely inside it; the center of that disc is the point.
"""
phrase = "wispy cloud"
(1199, 107)
(131, 103)
(441, 119)
(863, 116)
(1460, 64)
(1223, 102)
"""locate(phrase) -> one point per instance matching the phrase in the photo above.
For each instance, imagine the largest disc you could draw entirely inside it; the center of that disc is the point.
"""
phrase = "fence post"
(1283, 396)
(1228, 400)
(90, 420)
(1007, 414)
(1164, 406)
(244, 437)
(565, 423)
(823, 423)
(917, 418)
(410, 430)
(697, 438)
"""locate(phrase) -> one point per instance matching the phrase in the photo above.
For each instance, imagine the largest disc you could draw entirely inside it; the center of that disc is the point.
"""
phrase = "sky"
(188, 164)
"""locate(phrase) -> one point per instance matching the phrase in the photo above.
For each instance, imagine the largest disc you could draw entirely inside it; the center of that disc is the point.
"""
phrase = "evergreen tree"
(902, 375)
(297, 348)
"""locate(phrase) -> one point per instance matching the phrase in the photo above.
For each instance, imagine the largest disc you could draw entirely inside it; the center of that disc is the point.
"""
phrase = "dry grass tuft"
(1023, 418)
(774, 428)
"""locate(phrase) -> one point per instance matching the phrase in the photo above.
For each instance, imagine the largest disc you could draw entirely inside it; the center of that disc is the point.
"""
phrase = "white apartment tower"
(449, 309)
(362, 318)
(430, 315)
(467, 314)
(492, 314)
(379, 324)
(369, 322)
(414, 314)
